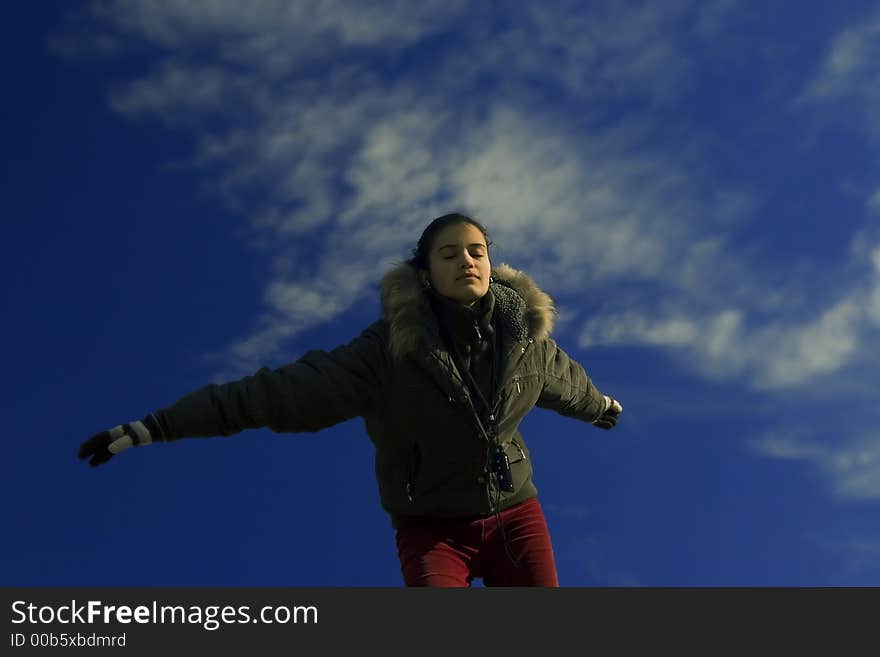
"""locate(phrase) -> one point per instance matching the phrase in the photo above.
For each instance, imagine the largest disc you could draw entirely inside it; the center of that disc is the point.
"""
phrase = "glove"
(105, 445)
(612, 412)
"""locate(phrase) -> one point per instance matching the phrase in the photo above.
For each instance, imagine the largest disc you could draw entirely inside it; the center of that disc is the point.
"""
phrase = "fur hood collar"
(523, 308)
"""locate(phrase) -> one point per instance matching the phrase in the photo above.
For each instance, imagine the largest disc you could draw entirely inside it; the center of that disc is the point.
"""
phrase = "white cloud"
(851, 64)
(785, 353)
(849, 76)
(721, 345)
(850, 465)
(786, 447)
(292, 27)
(400, 165)
(581, 201)
(584, 208)
(801, 353)
(713, 342)
(176, 89)
(633, 328)
(611, 49)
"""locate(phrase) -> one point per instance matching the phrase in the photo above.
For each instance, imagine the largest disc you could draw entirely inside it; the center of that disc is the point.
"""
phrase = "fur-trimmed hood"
(524, 309)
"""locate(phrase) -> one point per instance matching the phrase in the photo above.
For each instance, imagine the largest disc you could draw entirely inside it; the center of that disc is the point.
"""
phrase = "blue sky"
(196, 190)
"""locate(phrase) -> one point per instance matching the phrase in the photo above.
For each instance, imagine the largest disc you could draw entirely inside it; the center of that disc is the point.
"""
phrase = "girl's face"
(458, 263)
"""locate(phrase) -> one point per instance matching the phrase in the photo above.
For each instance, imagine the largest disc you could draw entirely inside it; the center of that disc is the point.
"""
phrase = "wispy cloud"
(276, 32)
(176, 92)
(851, 64)
(605, 50)
(858, 556)
(331, 116)
(851, 466)
(848, 76)
(723, 345)
(374, 146)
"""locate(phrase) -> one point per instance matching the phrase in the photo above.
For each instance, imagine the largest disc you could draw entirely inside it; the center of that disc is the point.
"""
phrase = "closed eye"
(472, 256)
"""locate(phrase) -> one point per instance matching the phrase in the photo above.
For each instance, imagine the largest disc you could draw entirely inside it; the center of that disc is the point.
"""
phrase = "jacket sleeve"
(567, 388)
(320, 389)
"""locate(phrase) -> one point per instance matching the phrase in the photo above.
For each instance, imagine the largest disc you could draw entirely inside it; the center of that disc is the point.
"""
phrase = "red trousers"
(454, 553)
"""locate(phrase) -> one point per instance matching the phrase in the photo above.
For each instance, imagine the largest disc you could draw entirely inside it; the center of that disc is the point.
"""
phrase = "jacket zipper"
(493, 412)
(516, 379)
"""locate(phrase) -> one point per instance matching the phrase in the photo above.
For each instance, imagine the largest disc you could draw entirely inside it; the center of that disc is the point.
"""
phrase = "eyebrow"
(446, 246)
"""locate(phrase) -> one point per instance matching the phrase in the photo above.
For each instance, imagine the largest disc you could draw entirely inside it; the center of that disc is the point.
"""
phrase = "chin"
(471, 299)
(466, 297)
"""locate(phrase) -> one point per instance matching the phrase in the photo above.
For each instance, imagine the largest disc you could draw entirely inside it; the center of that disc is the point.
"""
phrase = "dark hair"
(419, 258)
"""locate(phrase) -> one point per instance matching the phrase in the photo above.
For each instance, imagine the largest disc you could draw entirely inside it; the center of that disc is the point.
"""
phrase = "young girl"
(461, 354)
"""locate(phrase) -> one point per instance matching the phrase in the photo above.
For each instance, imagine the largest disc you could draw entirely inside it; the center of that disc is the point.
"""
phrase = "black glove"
(612, 412)
(105, 445)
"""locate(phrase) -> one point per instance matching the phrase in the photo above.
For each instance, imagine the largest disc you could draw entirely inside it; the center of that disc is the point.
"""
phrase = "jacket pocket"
(515, 452)
(414, 465)
(521, 382)
(520, 465)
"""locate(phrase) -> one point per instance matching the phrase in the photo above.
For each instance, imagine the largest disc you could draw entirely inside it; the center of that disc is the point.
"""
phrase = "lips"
(467, 276)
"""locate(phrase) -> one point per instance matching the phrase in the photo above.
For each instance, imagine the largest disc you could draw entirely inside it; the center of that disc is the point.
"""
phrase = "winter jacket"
(432, 442)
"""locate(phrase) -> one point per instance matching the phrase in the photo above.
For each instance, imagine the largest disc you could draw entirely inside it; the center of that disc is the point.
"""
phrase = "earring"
(491, 280)
(426, 284)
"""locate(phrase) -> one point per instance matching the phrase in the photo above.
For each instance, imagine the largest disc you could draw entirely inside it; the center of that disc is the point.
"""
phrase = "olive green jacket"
(432, 451)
